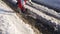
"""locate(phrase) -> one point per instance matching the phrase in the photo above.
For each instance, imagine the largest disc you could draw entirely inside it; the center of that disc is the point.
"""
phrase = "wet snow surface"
(10, 23)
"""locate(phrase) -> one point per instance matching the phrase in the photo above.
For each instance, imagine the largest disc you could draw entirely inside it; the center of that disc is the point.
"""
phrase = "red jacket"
(20, 5)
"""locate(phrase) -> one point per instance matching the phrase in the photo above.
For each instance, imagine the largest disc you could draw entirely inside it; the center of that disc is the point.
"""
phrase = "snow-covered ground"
(54, 4)
(10, 23)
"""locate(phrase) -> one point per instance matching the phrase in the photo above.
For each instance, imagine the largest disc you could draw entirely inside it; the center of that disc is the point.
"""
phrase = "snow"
(10, 23)
(52, 3)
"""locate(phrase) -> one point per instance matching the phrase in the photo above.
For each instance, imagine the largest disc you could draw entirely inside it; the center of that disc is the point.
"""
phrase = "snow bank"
(10, 23)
